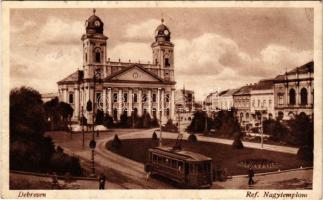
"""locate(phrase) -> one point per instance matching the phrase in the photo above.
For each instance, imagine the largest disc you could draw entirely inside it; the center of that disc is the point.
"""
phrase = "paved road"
(125, 173)
(121, 172)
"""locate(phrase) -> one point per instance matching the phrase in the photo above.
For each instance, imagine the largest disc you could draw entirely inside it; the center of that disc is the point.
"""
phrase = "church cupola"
(94, 46)
(94, 24)
(163, 52)
(162, 33)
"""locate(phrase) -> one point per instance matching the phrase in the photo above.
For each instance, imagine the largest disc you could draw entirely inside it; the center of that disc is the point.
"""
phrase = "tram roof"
(181, 154)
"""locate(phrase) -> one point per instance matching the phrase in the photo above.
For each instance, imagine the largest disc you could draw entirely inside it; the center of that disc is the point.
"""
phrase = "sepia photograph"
(153, 96)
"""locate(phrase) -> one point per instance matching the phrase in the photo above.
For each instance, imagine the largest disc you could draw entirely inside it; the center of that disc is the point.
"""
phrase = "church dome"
(94, 24)
(162, 32)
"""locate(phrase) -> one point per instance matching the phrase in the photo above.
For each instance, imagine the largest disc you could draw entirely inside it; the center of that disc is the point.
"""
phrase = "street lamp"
(96, 76)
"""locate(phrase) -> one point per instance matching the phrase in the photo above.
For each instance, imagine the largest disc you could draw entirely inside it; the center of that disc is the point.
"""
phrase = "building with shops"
(121, 87)
(242, 104)
(262, 101)
(225, 99)
(294, 92)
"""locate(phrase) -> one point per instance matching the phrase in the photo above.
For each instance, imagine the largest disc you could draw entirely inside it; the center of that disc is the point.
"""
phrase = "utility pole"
(82, 122)
(160, 128)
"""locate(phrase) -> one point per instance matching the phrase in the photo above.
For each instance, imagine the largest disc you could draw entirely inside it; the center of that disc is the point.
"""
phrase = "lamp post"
(82, 123)
(96, 76)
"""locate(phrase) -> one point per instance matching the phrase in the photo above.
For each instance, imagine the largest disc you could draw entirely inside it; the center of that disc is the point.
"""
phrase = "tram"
(189, 169)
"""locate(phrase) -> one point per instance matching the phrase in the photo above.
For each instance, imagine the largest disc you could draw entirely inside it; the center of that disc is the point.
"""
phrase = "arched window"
(292, 97)
(71, 98)
(303, 96)
(97, 56)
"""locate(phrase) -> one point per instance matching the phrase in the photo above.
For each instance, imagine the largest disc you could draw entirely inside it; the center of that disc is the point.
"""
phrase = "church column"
(172, 105)
(130, 97)
(298, 96)
(104, 100)
(158, 103)
(119, 103)
(149, 101)
(65, 95)
(77, 103)
(162, 103)
(109, 102)
(139, 102)
(286, 95)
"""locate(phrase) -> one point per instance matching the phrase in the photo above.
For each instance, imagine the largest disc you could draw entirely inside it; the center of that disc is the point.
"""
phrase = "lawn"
(224, 156)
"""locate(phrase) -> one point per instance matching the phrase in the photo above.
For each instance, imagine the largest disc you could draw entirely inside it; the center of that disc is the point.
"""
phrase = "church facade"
(121, 87)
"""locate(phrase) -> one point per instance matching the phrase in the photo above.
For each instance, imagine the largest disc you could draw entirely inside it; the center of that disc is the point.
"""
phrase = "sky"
(215, 48)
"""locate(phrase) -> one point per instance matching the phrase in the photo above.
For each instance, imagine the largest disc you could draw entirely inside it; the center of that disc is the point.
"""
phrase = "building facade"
(262, 101)
(294, 92)
(185, 99)
(242, 104)
(225, 99)
(121, 87)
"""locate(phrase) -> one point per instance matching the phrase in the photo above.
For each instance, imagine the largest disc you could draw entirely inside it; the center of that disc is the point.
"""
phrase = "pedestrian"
(251, 174)
(55, 184)
(148, 170)
(101, 181)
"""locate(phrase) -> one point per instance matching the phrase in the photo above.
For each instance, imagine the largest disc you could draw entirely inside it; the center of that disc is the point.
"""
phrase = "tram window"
(174, 163)
(180, 166)
(159, 159)
(154, 157)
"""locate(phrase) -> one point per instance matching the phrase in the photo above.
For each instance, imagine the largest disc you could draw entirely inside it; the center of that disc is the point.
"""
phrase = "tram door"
(187, 170)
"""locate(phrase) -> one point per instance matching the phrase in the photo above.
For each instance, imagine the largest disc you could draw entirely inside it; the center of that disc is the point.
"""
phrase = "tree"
(302, 130)
(29, 149)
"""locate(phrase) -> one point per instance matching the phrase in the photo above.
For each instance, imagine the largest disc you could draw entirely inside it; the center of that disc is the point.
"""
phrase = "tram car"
(188, 169)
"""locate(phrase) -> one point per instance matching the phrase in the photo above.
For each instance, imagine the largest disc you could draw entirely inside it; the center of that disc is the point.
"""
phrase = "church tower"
(94, 46)
(163, 52)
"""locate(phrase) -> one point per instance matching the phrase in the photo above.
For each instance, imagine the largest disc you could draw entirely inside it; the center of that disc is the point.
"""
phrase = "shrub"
(237, 143)
(305, 153)
(170, 127)
(155, 136)
(116, 143)
(192, 138)
(63, 163)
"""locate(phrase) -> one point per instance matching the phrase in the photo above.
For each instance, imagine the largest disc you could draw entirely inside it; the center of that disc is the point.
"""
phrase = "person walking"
(148, 170)
(251, 174)
(102, 181)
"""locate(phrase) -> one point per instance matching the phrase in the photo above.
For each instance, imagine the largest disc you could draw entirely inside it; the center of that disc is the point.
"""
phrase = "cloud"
(133, 51)
(142, 31)
(22, 27)
(281, 57)
(60, 31)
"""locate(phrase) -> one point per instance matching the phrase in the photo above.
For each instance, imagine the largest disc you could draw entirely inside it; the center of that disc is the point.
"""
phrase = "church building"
(121, 87)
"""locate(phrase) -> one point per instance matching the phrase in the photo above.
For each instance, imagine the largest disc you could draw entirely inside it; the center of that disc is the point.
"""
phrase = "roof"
(74, 77)
(264, 85)
(49, 95)
(187, 155)
(244, 90)
(230, 92)
(308, 67)
(128, 68)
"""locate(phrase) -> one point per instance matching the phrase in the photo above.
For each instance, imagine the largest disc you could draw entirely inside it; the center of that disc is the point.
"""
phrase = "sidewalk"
(271, 147)
(300, 179)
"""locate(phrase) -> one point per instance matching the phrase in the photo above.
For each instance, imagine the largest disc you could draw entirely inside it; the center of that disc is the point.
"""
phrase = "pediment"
(136, 74)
